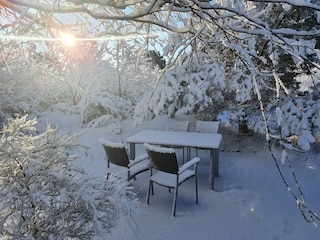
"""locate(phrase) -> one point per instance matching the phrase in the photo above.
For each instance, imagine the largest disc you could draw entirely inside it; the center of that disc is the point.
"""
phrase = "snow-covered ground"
(250, 200)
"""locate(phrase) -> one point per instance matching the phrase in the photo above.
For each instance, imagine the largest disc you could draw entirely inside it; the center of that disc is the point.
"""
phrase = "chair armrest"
(138, 159)
(189, 164)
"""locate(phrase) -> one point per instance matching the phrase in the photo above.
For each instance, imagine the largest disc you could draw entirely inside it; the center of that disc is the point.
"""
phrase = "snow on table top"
(171, 138)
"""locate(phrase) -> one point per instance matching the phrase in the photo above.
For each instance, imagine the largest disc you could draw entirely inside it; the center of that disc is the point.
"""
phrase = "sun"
(67, 39)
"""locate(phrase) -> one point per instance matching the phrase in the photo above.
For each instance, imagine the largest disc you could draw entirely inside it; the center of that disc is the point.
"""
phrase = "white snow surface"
(250, 200)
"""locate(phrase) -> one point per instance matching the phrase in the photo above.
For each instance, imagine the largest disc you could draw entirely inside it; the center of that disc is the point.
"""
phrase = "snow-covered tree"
(78, 79)
(193, 86)
(241, 31)
(29, 79)
(44, 195)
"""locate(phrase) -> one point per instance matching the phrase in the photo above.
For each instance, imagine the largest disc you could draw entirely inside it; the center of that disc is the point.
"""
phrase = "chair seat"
(119, 171)
(169, 180)
(139, 167)
(122, 172)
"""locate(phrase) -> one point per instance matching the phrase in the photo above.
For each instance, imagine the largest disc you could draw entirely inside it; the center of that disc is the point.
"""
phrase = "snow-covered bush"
(44, 195)
(100, 102)
(191, 87)
(299, 118)
(78, 80)
(30, 81)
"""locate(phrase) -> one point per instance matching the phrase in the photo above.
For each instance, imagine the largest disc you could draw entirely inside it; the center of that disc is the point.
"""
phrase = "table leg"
(211, 169)
(216, 162)
(214, 167)
(132, 151)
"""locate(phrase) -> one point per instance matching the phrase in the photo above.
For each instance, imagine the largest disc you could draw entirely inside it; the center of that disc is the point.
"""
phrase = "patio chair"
(178, 126)
(206, 127)
(164, 171)
(118, 162)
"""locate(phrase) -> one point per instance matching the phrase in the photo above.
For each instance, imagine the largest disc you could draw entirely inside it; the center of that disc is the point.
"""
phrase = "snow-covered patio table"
(207, 141)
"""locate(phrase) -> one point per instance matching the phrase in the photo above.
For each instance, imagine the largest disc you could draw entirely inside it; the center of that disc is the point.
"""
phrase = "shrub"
(44, 195)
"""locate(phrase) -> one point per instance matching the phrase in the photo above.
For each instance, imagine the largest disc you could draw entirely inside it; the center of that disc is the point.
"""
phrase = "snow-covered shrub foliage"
(188, 88)
(29, 85)
(299, 118)
(92, 87)
(77, 80)
(96, 97)
(309, 84)
(240, 84)
(44, 195)
(102, 101)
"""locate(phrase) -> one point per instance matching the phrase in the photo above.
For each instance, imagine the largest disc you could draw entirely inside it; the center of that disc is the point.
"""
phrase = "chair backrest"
(207, 126)
(162, 159)
(116, 153)
(178, 126)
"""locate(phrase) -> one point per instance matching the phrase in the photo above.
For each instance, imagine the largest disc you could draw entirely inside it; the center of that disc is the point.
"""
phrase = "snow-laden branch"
(154, 12)
(306, 4)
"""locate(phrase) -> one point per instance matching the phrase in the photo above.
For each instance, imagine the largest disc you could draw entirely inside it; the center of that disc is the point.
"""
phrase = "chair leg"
(196, 182)
(150, 182)
(188, 153)
(175, 201)
(149, 191)
(152, 191)
(183, 155)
